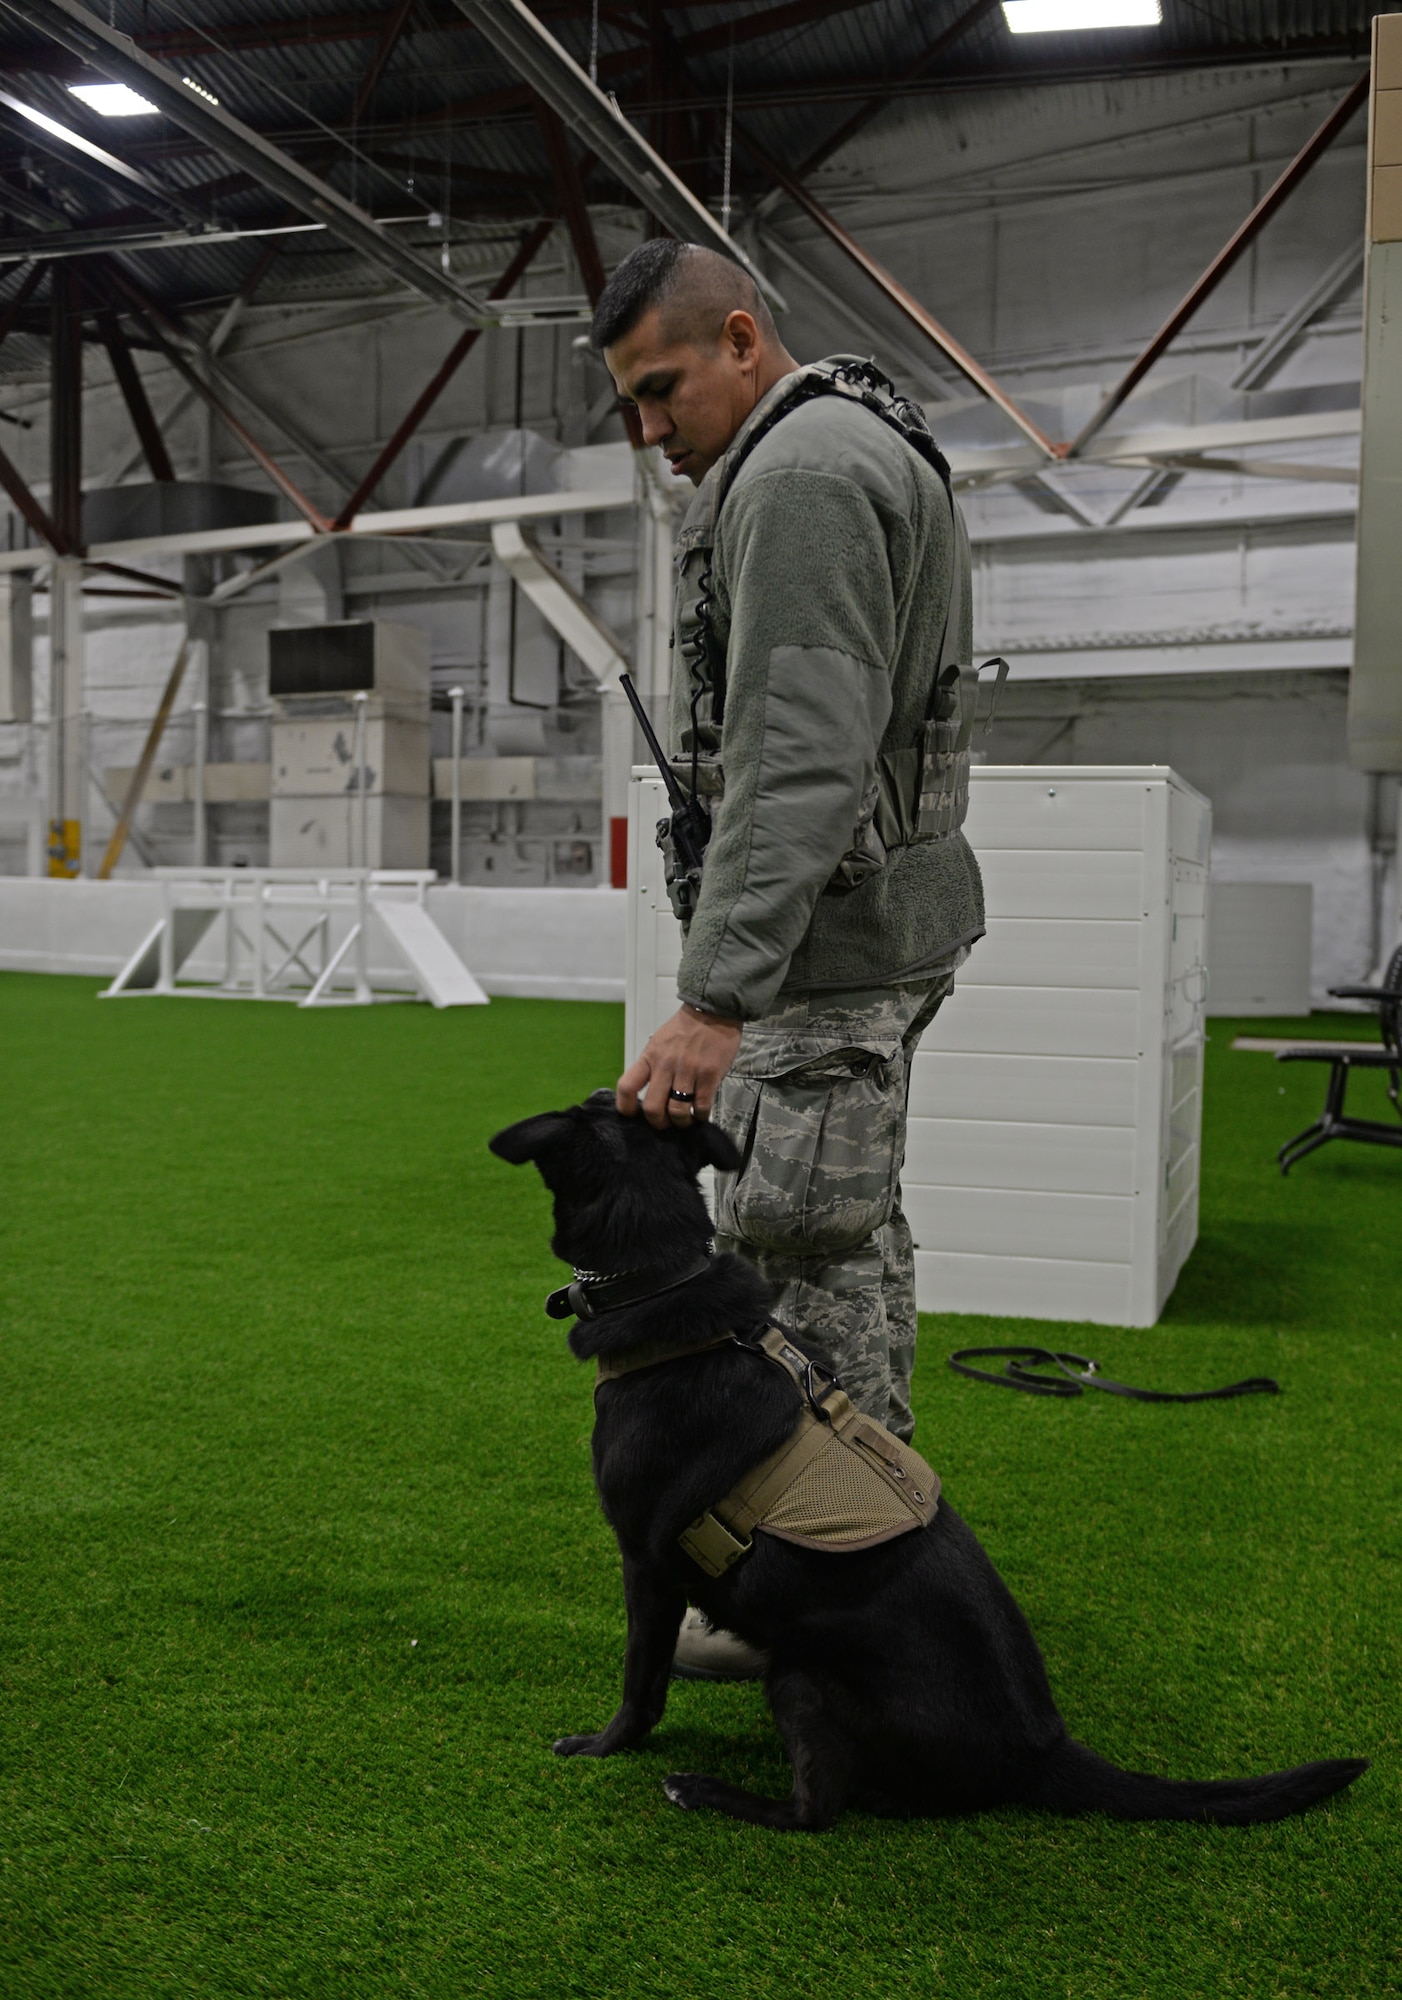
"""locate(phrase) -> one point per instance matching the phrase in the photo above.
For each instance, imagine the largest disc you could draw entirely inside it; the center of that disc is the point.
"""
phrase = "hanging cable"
(594, 46)
(729, 133)
(445, 254)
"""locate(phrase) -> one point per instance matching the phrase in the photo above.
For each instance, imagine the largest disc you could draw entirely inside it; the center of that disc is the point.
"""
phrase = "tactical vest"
(919, 793)
(840, 1482)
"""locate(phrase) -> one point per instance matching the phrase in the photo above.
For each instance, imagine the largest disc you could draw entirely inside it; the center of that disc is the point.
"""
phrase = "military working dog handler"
(816, 705)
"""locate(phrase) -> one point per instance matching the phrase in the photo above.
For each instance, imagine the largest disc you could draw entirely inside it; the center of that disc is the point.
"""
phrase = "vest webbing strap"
(828, 1421)
(652, 1354)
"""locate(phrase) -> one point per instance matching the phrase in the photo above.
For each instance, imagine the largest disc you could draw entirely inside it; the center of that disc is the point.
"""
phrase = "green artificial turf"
(303, 1571)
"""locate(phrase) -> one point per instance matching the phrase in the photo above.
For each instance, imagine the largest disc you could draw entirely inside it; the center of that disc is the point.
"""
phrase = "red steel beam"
(384, 49)
(569, 188)
(452, 361)
(900, 297)
(149, 313)
(1270, 201)
(134, 395)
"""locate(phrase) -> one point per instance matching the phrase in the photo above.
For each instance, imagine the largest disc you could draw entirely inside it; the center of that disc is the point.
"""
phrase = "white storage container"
(1056, 1103)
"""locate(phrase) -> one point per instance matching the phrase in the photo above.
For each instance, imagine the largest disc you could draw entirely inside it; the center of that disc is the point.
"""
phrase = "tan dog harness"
(840, 1482)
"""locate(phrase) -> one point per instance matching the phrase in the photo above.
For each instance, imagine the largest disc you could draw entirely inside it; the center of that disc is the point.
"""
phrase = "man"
(823, 585)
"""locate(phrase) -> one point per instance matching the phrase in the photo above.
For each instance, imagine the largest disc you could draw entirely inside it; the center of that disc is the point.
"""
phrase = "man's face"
(691, 398)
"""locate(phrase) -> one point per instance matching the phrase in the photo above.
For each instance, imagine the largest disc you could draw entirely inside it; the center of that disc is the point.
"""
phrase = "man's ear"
(741, 335)
(529, 1139)
(705, 1145)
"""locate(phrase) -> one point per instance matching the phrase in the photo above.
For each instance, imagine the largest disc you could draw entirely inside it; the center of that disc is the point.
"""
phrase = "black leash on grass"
(1078, 1373)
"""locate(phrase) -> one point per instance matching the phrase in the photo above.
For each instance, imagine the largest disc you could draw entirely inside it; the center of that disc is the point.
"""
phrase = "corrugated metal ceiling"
(447, 132)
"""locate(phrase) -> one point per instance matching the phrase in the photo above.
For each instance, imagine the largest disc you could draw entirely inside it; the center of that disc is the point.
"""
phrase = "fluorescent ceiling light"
(1050, 17)
(113, 100)
(79, 143)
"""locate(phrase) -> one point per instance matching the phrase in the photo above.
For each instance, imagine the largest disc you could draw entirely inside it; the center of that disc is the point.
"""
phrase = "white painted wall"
(541, 944)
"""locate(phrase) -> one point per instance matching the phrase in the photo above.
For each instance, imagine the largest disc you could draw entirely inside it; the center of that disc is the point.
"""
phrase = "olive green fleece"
(831, 578)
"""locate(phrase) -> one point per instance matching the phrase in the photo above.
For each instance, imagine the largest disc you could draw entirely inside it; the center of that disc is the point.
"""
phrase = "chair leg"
(1334, 1096)
(1325, 1126)
(1308, 1141)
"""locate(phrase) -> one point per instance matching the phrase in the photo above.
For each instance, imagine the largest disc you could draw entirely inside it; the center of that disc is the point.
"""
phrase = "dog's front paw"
(690, 1790)
(579, 1746)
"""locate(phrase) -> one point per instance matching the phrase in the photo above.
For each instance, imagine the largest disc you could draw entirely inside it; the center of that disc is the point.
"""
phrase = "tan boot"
(706, 1653)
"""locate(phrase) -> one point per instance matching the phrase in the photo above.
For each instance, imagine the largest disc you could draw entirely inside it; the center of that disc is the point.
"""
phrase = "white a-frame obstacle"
(298, 934)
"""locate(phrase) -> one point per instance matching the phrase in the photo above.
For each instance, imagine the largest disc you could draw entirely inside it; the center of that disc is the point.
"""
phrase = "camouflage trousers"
(816, 1102)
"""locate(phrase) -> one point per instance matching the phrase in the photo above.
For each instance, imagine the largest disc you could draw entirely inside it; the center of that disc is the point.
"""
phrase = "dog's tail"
(1074, 1780)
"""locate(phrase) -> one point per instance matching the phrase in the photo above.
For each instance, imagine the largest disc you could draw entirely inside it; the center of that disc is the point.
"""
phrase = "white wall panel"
(1056, 1089)
(1258, 952)
(1082, 812)
(988, 1221)
(1021, 883)
(988, 1153)
(1051, 953)
(1040, 1020)
(1024, 1287)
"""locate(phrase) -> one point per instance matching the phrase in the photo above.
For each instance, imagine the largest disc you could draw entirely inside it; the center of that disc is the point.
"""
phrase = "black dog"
(904, 1679)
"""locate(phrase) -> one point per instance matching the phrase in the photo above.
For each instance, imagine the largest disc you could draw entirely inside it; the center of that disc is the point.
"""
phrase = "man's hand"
(680, 1068)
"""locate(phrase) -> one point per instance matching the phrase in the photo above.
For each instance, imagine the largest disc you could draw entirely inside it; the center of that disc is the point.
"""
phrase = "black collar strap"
(587, 1297)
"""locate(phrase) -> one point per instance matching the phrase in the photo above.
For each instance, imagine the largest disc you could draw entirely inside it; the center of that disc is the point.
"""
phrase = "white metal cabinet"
(1052, 1164)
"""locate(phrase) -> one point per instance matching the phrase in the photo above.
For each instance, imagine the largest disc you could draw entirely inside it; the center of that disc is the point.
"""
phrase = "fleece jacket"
(831, 560)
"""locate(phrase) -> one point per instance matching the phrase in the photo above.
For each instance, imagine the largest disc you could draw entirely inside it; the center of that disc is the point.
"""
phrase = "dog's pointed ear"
(529, 1139)
(705, 1145)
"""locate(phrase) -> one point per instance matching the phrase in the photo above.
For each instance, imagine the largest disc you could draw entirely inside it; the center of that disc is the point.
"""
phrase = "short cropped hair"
(699, 288)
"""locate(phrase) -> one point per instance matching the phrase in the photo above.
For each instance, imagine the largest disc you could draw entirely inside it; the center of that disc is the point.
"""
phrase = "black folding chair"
(1334, 1122)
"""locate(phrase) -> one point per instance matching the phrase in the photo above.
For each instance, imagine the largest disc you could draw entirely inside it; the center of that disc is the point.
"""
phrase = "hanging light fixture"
(111, 100)
(1059, 17)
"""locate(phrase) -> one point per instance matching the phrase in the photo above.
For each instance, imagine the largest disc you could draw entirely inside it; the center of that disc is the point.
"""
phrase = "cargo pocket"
(819, 1134)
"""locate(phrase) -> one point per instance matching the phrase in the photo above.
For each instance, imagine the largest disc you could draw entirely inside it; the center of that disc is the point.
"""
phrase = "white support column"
(362, 784)
(617, 728)
(197, 786)
(652, 648)
(653, 645)
(455, 696)
(16, 648)
(202, 631)
(65, 702)
(83, 727)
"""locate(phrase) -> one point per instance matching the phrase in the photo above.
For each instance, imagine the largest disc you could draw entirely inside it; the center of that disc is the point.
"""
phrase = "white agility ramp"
(296, 934)
(445, 980)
